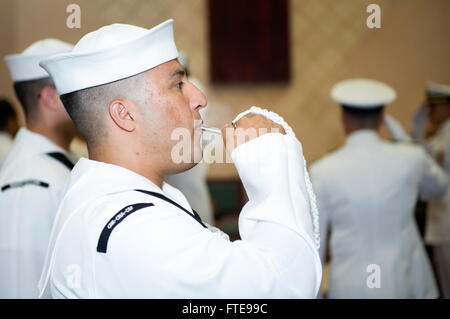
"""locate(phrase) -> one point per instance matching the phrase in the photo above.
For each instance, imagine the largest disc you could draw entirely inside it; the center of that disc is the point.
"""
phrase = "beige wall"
(329, 42)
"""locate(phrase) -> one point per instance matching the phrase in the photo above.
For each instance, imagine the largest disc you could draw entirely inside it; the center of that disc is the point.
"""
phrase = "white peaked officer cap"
(437, 93)
(25, 66)
(362, 93)
(111, 53)
(434, 88)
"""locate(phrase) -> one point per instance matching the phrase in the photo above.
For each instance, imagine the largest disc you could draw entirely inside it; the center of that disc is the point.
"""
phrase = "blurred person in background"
(421, 129)
(431, 128)
(437, 231)
(8, 128)
(366, 193)
(34, 173)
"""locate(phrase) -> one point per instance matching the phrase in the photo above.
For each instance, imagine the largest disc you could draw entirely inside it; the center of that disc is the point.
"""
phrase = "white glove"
(396, 129)
(289, 132)
(419, 124)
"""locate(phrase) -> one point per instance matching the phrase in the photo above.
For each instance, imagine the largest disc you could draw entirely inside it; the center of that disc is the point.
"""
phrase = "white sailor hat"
(25, 66)
(437, 93)
(111, 53)
(362, 93)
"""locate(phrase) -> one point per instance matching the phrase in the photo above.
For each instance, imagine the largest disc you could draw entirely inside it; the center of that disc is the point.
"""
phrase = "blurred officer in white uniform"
(122, 232)
(366, 193)
(437, 232)
(34, 173)
(8, 128)
(192, 183)
(435, 113)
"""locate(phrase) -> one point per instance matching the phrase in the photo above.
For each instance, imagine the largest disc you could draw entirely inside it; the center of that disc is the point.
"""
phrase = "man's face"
(172, 103)
(439, 113)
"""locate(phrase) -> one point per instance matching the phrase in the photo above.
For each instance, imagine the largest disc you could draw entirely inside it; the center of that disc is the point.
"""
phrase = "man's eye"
(179, 85)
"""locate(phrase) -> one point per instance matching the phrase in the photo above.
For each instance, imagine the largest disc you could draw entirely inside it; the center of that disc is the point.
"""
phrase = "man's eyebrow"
(178, 72)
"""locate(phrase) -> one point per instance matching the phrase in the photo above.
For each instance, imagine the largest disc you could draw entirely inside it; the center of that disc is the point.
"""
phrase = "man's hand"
(247, 128)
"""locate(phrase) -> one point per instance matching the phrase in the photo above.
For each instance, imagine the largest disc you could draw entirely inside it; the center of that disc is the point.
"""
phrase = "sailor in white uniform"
(437, 231)
(366, 193)
(123, 232)
(33, 175)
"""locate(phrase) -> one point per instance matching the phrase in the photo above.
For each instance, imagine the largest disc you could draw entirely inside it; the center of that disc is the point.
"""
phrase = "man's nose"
(197, 99)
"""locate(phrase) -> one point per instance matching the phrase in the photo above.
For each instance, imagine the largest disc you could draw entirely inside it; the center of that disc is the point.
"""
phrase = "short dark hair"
(28, 93)
(88, 108)
(363, 118)
(6, 112)
(71, 102)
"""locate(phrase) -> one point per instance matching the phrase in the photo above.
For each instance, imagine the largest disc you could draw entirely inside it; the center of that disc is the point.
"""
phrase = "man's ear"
(120, 112)
(50, 98)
